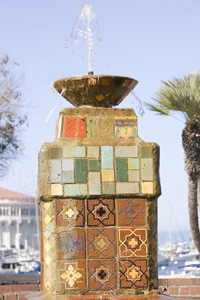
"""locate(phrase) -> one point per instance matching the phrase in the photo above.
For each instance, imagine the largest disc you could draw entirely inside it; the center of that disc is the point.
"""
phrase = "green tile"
(81, 170)
(147, 169)
(75, 189)
(80, 151)
(68, 177)
(146, 151)
(88, 127)
(55, 153)
(107, 157)
(69, 151)
(93, 165)
(121, 169)
(133, 164)
(109, 188)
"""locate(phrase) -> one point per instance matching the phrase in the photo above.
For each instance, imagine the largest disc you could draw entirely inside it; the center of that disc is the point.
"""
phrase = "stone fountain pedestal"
(98, 188)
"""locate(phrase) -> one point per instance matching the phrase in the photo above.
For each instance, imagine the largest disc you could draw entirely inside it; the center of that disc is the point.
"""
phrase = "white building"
(19, 220)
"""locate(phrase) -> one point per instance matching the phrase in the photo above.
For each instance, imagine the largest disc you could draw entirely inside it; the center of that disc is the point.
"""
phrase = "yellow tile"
(56, 190)
(107, 175)
(47, 246)
(133, 175)
(47, 219)
(147, 187)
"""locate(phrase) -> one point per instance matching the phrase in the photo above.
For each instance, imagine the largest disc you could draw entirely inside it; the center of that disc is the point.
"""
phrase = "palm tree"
(183, 96)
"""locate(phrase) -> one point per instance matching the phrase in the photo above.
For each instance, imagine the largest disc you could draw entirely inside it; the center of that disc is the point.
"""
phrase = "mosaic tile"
(101, 243)
(125, 127)
(94, 183)
(107, 175)
(56, 189)
(100, 97)
(132, 242)
(47, 233)
(70, 212)
(147, 187)
(71, 244)
(108, 188)
(152, 243)
(80, 151)
(133, 273)
(146, 169)
(75, 190)
(102, 127)
(81, 170)
(127, 188)
(133, 175)
(93, 165)
(100, 212)
(133, 163)
(68, 165)
(107, 157)
(68, 177)
(121, 169)
(88, 127)
(131, 212)
(102, 275)
(69, 151)
(93, 152)
(146, 151)
(70, 275)
(55, 170)
(55, 153)
(74, 127)
(126, 151)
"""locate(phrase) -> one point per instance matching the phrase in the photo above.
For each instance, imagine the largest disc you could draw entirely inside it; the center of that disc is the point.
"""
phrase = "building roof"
(6, 194)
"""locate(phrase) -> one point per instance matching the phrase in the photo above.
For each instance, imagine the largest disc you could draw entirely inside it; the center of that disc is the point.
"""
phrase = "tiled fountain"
(98, 190)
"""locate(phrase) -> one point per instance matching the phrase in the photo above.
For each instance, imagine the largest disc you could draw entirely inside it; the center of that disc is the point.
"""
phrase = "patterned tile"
(100, 212)
(71, 244)
(101, 243)
(125, 127)
(132, 242)
(70, 275)
(70, 213)
(132, 212)
(74, 127)
(102, 275)
(133, 274)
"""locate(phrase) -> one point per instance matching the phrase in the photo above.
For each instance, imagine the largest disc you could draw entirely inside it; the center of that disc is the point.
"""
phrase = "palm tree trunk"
(193, 210)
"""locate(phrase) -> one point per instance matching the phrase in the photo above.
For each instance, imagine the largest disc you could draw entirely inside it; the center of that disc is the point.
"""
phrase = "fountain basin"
(95, 90)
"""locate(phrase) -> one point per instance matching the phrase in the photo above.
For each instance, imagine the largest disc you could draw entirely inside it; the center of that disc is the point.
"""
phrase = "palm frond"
(179, 95)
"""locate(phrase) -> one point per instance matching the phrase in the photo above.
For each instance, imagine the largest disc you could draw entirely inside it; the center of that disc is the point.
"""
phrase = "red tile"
(74, 127)
(101, 243)
(102, 275)
(70, 213)
(71, 244)
(70, 275)
(101, 212)
(132, 242)
(133, 274)
(132, 212)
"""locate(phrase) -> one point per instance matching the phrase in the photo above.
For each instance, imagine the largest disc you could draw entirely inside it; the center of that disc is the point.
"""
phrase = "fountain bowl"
(95, 90)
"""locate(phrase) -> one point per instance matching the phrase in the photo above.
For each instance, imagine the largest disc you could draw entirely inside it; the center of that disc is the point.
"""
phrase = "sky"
(149, 41)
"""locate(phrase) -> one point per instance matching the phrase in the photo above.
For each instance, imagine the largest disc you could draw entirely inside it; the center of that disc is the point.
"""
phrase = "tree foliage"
(11, 119)
(183, 96)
